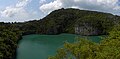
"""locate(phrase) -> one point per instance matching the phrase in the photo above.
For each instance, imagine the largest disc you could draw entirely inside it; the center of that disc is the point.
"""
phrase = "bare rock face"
(87, 30)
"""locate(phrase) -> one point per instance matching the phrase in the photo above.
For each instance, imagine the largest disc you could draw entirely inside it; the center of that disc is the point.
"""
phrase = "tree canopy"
(108, 48)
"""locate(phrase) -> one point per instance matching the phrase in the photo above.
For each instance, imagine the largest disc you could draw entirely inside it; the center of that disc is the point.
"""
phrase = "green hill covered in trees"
(70, 20)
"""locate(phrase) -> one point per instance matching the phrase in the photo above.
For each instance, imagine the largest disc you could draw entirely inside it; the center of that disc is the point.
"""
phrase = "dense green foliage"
(101, 24)
(65, 20)
(8, 42)
(62, 21)
(108, 48)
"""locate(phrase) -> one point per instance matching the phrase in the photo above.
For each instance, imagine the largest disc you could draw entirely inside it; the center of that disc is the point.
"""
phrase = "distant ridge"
(70, 20)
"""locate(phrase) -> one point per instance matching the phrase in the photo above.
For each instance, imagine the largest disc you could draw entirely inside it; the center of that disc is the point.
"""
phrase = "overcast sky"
(24, 10)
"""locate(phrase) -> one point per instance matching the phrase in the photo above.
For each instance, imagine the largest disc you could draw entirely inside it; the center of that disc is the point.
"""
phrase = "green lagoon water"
(42, 46)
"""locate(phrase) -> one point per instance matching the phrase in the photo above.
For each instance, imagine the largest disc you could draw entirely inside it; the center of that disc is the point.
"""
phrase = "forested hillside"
(67, 20)
(58, 21)
(108, 48)
(8, 41)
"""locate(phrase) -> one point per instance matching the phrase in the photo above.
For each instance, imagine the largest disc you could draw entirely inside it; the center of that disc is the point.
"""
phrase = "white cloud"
(10, 11)
(47, 8)
(22, 3)
(110, 6)
(16, 10)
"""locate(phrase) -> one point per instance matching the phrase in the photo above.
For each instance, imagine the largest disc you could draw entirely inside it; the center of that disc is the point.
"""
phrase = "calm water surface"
(42, 46)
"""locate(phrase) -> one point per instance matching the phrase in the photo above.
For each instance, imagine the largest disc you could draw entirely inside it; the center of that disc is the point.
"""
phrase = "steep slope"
(72, 21)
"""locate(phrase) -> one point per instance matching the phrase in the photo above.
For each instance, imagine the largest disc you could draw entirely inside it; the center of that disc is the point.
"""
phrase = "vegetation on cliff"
(108, 48)
(65, 21)
(60, 21)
